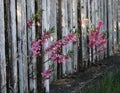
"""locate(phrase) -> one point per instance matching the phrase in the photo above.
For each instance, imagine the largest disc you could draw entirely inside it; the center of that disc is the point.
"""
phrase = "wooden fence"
(20, 72)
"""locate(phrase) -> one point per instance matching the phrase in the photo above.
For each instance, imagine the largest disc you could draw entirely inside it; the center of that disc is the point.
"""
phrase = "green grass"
(110, 83)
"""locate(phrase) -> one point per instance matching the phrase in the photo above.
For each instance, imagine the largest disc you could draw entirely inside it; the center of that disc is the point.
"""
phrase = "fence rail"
(20, 72)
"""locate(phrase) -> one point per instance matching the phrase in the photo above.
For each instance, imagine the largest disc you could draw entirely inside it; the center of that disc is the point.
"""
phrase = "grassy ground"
(110, 83)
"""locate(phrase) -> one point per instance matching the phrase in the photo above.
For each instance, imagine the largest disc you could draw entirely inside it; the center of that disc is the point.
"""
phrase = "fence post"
(31, 59)
(46, 27)
(22, 46)
(75, 27)
(69, 27)
(2, 50)
(110, 27)
(64, 31)
(13, 63)
(53, 23)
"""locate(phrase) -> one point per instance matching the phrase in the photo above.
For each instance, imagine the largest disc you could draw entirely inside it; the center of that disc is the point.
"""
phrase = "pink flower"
(29, 23)
(59, 58)
(99, 24)
(96, 39)
(64, 41)
(91, 44)
(72, 37)
(104, 41)
(46, 73)
(45, 36)
(57, 45)
(35, 48)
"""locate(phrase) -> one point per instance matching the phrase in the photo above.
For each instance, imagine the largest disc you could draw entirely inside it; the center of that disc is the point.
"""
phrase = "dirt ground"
(74, 83)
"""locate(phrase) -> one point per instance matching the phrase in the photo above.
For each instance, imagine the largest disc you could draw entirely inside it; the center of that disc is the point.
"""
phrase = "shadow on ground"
(74, 83)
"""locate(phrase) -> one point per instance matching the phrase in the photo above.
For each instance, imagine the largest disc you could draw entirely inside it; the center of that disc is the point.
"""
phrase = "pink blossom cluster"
(59, 58)
(57, 45)
(36, 45)
(97, 39)
(29, 23)
(54, 49)
(45, 37)
(36, 48)
(46, 73)
(99, 25)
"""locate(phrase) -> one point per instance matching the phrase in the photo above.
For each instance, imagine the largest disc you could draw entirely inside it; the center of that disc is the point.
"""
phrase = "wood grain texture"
(2, 50)
(64, 31)
(14, 74)
(75, 27)
(31, 59)
(53, 23)
(110, 26)
(70, 27)
(22, 46)
(64, 15)
(46, 27)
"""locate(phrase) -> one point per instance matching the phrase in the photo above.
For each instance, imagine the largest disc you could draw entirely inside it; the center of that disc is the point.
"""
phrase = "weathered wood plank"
(105, 24)
(64, 29)
(118, 21)
(46, 26)
(70, 63)
(19, 45)
(93, 24)
(31, 59)
(83, 34)
(75, 27)
(13, 63)
(102, 29)
(114, 27)
(22, 46)
(53, 23)
(2, 50)
(110, 26)
(89, 26)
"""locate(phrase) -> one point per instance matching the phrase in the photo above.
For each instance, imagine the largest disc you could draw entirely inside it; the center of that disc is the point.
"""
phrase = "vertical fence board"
(46, 26)
(2, 50)
(96, 18)
(84, 33)
(89, 26)
(53, 23)
(75, 27)
(19, 29)
(118, 21)
(22, 46)
(105, 23)
(114, 27)
(102, 29)
(63, 11)
(31, 59)
(93, 24)
(110, 27)
(22, 70)
(69, 6)
(14, 75)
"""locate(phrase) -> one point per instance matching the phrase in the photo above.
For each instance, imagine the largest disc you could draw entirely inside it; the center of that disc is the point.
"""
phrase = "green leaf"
(70, 53)
(52, 30)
